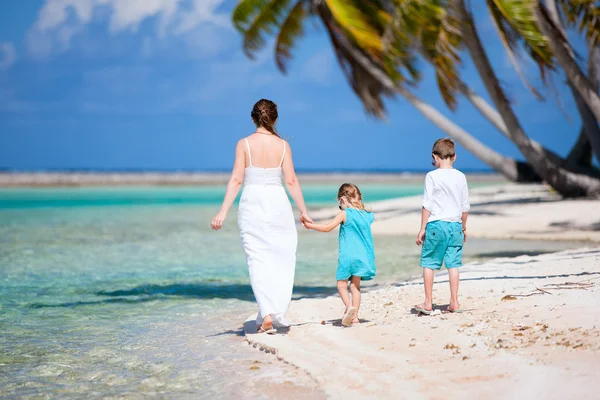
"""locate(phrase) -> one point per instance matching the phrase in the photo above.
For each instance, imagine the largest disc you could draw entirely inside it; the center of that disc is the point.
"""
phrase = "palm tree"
(586, 14)
(374, 73)
(565, 182)
(369, 75)
(591, 129)
(436, 33)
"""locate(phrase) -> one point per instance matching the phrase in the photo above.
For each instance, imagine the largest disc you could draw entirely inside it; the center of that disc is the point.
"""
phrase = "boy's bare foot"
(424, 308)
(453, 307)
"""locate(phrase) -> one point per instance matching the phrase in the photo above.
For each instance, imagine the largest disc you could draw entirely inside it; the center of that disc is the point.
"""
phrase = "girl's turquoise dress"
(357, 255)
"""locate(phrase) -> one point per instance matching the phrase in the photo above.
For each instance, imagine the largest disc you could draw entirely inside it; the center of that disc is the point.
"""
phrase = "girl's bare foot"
(349, 316)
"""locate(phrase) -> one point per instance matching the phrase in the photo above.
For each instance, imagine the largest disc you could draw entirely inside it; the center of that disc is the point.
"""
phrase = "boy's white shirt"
(446, 195)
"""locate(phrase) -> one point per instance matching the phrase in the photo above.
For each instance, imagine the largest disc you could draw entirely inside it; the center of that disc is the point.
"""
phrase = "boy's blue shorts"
(443, 242)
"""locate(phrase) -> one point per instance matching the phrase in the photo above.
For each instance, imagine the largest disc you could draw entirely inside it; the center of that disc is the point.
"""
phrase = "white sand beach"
(530, 326)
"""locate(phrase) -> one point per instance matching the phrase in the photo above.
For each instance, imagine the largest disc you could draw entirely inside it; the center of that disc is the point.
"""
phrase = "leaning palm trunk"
(513, 170)
(510, 168)
(590, 124)
(567, 183)
(495, 119)
(581, 153)
(570, 163)
(562, 51)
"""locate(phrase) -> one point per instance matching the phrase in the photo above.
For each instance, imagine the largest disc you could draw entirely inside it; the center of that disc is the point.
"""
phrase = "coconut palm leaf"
(585, 15)
(351, 18)
(365, 86)
(517, 27)
(510, 39)
(428, 25)
(256, 18)
(290, 30)
(245, 12)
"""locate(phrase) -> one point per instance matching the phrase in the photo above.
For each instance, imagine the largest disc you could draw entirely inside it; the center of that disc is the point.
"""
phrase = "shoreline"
(71, 179)
(531, 327)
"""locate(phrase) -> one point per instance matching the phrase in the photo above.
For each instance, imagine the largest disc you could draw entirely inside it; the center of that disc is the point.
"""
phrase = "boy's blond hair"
(444, 148)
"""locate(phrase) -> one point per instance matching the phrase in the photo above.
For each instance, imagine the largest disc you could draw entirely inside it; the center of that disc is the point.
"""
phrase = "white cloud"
(318, 69)
(8, 55)
(60, 20)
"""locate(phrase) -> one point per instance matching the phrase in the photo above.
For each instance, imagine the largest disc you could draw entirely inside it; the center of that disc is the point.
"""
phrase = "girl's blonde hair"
(352, 193)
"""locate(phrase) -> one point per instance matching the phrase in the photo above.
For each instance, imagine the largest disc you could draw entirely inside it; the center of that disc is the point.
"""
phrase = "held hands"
(305, 219)
(420, 237)
(217, 222)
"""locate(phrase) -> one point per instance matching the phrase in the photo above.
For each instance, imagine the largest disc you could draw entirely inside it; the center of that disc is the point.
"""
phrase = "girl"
(356, 259)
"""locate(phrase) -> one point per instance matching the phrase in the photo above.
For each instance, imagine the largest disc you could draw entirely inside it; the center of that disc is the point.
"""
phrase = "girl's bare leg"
(355, 289)
(342, 287)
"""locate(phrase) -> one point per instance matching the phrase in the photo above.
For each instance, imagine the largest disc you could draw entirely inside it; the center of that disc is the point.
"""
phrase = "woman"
(265, 216)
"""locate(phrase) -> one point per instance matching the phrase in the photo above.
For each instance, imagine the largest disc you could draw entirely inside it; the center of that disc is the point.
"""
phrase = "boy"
(443, 222)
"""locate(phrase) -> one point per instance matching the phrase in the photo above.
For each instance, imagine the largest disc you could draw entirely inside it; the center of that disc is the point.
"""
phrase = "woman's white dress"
(269, 237)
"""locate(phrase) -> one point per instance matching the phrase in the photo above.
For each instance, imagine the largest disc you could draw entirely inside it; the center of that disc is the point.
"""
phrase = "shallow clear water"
(111, 292)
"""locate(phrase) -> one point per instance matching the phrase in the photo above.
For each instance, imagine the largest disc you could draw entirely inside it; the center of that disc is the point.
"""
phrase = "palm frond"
(585, 16)
(510, 39)
(258, 18)
(520, 15)
(364, 84)
(245, 12)
(351, 18)
(290, 30)
(431, 27)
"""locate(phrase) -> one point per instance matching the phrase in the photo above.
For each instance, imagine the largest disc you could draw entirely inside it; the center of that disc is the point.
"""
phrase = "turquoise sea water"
(126, 292)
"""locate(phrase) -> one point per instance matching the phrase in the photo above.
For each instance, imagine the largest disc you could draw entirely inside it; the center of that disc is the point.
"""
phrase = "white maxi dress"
(270, 238)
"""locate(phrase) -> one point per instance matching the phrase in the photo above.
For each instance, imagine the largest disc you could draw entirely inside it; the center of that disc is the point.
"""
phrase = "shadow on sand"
(146, 293)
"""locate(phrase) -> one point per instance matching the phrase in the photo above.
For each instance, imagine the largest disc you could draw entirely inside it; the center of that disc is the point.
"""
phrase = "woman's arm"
(291, 181)
(233, 187)
(331, 225)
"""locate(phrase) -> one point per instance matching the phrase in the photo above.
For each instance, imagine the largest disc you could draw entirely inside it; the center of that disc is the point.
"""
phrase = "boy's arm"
(425, 213)
(464, 217)
(427, 206)
(328, 227)
(466, 206)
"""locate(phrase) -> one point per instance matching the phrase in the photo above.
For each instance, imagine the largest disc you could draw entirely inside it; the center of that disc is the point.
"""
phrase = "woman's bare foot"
(267, 323)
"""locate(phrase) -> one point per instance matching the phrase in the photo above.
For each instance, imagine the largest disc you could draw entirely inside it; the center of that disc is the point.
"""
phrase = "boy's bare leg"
(428, 276)
(355, 289)
(342, 287)
(453, 275)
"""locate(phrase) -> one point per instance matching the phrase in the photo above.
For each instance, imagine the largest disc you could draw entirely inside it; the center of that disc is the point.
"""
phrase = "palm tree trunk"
(590, 124)
(569, 163)
(561, 50)
(581, 153)
(567, 183)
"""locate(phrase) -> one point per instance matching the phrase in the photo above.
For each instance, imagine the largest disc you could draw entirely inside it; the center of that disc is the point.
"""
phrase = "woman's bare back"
(266, 151)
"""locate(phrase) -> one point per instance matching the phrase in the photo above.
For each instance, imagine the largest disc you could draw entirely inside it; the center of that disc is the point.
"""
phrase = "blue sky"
(163, 84)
